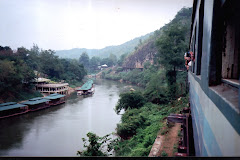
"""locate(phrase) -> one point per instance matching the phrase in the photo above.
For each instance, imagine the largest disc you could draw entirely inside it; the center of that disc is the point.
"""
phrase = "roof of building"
(104, 65)
(10, 105)
(42, 80)
(35, 101)
(86, 86)
(6, 104)
(53, 85)
(54, 96)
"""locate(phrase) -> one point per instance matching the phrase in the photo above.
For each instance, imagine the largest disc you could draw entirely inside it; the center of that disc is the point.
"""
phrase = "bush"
(119, 69)
(131, 121)
(130, 100)
(95, 145)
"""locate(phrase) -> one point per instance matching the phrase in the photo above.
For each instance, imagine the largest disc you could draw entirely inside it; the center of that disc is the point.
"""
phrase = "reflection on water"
(58, 131)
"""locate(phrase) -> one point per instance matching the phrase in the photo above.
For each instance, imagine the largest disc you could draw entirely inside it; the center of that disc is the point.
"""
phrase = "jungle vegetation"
(164, 82)
(18, 70)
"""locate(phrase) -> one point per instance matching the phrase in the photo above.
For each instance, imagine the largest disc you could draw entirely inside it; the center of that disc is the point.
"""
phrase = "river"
(58, 131)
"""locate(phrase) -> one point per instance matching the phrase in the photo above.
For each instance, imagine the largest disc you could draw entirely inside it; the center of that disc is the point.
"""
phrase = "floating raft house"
(88, 85)
(56, 98)
(86, 89)
(10, 105)
(11, 109)
(37, 103)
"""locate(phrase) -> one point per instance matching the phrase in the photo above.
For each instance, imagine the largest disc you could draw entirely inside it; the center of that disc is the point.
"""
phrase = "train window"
(200, 35)
(194, 51)
(231, 45)
(224, 65)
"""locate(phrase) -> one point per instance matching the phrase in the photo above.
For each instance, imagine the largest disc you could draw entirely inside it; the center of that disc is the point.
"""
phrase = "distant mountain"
(127, 47)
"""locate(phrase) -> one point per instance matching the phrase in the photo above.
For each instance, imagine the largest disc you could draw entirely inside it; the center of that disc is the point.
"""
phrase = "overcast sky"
(66, 24)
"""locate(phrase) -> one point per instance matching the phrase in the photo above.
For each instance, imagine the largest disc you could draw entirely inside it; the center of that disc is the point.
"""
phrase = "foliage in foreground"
(96, 145)
(138, 130)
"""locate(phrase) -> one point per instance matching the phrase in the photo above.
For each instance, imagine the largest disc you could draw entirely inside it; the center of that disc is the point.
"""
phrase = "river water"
(58, 131)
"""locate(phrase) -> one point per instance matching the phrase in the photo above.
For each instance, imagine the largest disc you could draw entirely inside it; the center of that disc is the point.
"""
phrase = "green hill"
(127, 47)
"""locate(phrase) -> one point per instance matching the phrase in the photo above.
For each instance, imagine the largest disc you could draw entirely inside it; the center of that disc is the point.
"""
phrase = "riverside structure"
(86, 89)
(10, 109)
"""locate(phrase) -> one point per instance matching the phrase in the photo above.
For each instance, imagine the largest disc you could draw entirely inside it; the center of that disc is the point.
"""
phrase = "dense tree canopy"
(94, 62)
(172, 45)
(130, 100)
(84, 59)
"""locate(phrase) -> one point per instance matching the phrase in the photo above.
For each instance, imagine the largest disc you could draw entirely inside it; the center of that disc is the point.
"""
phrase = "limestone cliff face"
(144, 53)
(147, 50)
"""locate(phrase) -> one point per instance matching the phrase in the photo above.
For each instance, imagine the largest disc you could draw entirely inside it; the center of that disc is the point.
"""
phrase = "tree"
(113, 59)
(50, 64)
(94, 62)
(84, 60)
(130, 100)
(156, 89)
(7, 72)
(96, 145)
(121, 59)
(171, 47)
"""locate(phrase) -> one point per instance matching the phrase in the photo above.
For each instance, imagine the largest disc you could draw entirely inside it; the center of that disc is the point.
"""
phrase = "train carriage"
(214, 77)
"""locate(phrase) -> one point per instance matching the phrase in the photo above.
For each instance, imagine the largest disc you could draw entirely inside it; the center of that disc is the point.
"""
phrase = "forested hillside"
(126, 47)
(18, 69)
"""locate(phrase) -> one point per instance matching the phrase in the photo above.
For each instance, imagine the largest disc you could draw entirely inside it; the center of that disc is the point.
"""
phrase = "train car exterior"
(214, 77)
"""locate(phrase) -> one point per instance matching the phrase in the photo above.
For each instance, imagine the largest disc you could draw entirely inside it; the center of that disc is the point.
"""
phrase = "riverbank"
(22, 95)
(135, 77)
(149, 122)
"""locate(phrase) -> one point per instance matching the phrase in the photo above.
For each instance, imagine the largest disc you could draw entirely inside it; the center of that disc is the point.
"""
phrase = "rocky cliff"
(142, 54)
